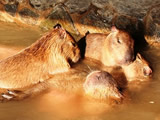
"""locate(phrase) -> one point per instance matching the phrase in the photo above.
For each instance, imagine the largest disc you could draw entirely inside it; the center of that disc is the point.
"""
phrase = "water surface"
(144, 101)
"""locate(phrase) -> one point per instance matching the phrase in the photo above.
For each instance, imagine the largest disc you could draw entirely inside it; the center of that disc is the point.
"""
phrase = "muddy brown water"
(143, 104)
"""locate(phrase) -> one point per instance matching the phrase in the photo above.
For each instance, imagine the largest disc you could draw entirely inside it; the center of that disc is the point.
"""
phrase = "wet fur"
(138, 70)
(102, 85)
(107, 49)
(50, 54)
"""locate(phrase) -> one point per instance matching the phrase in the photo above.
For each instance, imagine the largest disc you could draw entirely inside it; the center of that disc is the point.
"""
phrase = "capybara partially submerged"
(51, 54)
(138, 70)
(114, 49)
(101, 85)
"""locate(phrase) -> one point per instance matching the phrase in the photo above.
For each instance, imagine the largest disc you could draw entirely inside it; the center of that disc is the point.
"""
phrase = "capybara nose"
(147, 71)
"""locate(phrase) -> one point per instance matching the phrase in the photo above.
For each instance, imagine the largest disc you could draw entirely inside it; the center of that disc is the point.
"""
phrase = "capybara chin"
(101, 85)
(50, 54)
(114, 49)
(138, 70)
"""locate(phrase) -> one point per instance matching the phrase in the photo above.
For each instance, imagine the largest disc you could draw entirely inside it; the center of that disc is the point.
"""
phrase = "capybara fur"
(51, 54)
(138, 70)
(101, 85)
(114, 49)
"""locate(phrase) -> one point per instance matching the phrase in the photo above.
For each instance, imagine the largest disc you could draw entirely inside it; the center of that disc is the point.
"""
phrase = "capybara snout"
(128, 58)
(147, 71)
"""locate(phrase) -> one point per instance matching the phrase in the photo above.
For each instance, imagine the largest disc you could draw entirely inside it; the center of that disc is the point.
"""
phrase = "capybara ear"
(57, 26)
(87, 33)
(138, 56)
(114, 29)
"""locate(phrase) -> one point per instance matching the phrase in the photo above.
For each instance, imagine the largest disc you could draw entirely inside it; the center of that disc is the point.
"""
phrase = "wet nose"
(147, 71)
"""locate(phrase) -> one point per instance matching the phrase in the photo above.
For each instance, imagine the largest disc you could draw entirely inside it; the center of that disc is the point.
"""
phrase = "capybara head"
(138, 70)
(120, 46)
(101, 85)
(63, 44)
(69, 47)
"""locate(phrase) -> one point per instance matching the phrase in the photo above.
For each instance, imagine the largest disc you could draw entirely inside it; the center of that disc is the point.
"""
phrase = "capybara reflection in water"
(101, 85)
(138, 70)
(51, 54)
(114, 49)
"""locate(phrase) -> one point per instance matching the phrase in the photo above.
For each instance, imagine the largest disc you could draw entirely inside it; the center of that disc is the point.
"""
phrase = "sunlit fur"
(101, 85)
(114, 49)
(138, 70)
(50, 54)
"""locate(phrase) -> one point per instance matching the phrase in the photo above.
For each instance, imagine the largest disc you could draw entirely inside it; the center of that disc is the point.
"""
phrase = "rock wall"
(139, 17)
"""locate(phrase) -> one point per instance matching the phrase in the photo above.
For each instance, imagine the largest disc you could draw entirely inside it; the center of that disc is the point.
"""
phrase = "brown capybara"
(51, 54)
(138, 70)
(101, 85)
(114, 49)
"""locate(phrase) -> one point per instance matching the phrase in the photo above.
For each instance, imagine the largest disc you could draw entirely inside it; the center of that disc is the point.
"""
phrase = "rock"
(95, 20)
(44, 4)
(21, 1)
(60, 15)
(152, 24)
(25, 12)
(78, 6)
(134, 8)
(100, 3)
(81, 16)
(126, 23)
(41, 4)
(12, 1)
(11, 8)
(8, 1)
(107, 14)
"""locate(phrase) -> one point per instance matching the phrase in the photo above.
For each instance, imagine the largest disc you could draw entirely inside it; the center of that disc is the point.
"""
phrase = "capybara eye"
(74, 45)
(57, 26)
(118, 41)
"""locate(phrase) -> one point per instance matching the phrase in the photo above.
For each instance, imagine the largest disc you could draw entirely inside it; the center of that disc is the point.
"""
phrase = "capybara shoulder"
(114, 49)
(101, 85)
(138, 70)
(51, 54)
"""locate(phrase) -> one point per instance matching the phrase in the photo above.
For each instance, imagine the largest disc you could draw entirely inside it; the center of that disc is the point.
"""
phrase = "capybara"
(138, 70)
(101, 85)
(51, 54)
(114, 49)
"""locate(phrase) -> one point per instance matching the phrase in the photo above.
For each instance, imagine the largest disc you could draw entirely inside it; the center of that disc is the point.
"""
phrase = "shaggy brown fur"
(50, 54)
